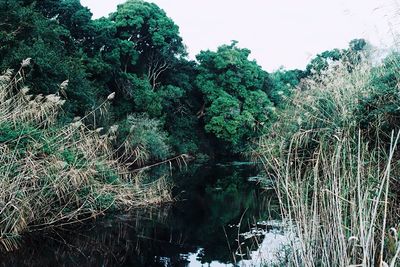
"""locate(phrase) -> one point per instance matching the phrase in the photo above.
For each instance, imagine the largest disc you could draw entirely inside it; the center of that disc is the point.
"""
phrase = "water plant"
(57, 174)
(335, 176)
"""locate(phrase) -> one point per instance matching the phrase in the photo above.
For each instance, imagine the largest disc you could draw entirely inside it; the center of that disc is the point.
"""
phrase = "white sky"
(278, 32)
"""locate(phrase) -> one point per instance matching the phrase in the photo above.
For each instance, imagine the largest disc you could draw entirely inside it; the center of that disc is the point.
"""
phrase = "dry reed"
(52, 174)
(333, 183)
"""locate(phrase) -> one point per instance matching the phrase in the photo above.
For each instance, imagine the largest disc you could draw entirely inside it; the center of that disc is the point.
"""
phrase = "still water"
(222, 217)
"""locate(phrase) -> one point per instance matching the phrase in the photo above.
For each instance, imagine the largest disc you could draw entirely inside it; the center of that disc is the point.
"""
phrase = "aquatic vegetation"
(132, 100)
(191, 230)
(53, 174)
(336, 177)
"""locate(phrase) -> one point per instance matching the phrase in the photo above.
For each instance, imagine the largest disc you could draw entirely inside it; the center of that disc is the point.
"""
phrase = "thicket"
(204, 107)
(215, 105)
(52, 173)
(95, 100)
(328, 133)
(333, 155)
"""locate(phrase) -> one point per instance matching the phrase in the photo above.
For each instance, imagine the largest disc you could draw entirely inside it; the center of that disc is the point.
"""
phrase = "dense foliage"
(137, 53)
(52, 173)
(331, 125)
(333, 156)
(235, 91)
(214, 106)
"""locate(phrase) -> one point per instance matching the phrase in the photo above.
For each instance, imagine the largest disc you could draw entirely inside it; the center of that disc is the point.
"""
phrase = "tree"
(283, 84)
(236, 105)
(322, 61)
(353, 54)
(150, 40)
(27, 33)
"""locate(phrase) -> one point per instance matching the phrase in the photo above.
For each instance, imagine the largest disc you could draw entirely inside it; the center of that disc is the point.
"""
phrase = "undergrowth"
(335, 168)
(53, 174)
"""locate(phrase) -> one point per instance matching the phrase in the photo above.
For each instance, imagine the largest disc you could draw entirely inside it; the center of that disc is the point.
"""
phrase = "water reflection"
(217, 205)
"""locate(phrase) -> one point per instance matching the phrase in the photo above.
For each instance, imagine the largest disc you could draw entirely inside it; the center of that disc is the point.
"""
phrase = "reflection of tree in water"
(223, 196)
(214, 199)
(109, 242)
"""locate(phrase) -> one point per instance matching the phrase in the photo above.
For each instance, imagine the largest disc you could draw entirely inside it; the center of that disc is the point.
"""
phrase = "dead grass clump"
(52, 174)
(334, 183)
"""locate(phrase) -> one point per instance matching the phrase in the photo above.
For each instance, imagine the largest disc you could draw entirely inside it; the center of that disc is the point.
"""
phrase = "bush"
(144, 139)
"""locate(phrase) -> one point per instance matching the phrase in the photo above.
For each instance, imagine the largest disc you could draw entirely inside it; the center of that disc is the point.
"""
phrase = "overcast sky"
(278, 32)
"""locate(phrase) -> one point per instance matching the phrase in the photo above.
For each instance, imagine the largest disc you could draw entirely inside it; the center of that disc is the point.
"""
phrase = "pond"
(222, 217)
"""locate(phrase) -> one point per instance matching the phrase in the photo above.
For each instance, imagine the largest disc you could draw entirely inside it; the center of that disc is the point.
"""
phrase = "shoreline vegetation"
(131, 99)
(55, 174)
(333, 155)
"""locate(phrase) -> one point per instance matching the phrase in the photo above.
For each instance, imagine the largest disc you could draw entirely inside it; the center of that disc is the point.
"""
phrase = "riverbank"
(333, 155)
(57, 175)
(215, 204)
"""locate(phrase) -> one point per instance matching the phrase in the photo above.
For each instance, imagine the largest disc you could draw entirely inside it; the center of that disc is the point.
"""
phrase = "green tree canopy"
(26, 32)
(150, 39)
(236, 104)
(353, 54)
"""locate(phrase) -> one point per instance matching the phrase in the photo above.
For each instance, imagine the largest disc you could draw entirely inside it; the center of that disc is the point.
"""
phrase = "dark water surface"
(216, 222)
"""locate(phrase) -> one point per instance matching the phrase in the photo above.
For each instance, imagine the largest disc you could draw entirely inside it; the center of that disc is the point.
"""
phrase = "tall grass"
(58, 174)
(336, 183)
